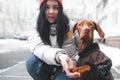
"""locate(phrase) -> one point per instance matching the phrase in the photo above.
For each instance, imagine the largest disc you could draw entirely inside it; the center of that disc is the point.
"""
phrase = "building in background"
(110, 17)
(107, 14)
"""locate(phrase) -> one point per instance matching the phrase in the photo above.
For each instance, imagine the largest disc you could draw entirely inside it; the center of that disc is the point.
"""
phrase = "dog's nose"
(86, 29)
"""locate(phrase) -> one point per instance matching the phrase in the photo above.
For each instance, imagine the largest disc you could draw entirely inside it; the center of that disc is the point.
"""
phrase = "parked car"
(6, 36)
(13, 36)
(20, 36)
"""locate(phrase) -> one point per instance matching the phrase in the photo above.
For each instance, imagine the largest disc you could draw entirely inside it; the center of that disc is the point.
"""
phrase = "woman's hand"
(67, 64)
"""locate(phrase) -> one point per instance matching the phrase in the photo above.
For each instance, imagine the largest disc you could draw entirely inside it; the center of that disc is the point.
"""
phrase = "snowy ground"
(7, 45)
(114, 54)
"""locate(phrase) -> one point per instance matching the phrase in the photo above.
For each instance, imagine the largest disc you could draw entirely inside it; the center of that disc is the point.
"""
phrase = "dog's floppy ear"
(71, 32)
(99, 30)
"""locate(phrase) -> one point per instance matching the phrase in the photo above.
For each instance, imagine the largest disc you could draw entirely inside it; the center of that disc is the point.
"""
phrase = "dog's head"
(86, 29)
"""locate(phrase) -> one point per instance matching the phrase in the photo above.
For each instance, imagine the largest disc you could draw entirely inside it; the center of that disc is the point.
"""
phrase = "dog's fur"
(85, 29)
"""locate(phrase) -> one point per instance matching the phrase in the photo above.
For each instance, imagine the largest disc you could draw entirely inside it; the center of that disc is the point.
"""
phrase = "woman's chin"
(51, 21)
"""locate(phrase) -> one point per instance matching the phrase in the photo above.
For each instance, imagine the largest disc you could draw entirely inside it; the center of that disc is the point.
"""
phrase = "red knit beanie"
(41, 1)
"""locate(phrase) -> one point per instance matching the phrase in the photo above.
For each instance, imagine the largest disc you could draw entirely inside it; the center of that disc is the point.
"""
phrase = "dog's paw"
(81, 69)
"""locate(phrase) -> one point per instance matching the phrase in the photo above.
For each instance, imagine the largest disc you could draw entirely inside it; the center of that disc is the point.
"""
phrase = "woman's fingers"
(73, 75)
(67, 64)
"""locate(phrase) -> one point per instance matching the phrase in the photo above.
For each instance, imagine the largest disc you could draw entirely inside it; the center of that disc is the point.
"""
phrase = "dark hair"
(43, 26)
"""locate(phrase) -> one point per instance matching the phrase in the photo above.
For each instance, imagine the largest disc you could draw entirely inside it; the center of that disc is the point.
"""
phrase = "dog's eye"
(90, 24)
(80, 24)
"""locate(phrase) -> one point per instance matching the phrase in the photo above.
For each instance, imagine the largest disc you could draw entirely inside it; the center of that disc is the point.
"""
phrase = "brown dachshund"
(85, 30)
(93, 64)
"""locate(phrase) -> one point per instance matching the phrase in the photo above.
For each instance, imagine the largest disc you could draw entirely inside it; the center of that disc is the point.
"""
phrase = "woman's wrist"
(58, 56)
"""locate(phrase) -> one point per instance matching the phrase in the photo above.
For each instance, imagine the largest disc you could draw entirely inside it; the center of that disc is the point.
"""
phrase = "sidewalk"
(16, 72)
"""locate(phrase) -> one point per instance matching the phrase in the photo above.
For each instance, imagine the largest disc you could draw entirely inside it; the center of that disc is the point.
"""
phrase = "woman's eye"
(55, 7)
(47, 7)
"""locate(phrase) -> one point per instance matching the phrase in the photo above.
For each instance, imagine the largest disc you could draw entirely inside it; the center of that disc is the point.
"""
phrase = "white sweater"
(48, 53)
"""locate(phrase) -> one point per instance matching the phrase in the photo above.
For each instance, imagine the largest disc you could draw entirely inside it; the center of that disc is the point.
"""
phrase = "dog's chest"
(90, 57)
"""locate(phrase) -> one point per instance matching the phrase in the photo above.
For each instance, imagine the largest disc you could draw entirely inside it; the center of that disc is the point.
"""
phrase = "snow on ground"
(7, 45)
(114, 54)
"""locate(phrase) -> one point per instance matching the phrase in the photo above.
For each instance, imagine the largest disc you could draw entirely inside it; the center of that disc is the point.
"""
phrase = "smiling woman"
(51, 11)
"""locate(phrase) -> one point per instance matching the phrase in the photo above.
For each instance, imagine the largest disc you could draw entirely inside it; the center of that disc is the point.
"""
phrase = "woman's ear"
(71, 32)
(99, 30)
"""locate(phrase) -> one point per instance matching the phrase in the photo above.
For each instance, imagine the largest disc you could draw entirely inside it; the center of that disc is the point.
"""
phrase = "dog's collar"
(87, 50)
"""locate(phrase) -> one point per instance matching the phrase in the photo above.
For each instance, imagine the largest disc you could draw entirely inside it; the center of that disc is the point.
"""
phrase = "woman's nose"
(51, 10)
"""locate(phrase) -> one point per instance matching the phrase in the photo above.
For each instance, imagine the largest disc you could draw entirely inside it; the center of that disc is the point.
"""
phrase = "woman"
(50, 47)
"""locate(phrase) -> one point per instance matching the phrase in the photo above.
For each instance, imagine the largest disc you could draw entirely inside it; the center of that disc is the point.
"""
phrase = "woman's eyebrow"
(56, 5)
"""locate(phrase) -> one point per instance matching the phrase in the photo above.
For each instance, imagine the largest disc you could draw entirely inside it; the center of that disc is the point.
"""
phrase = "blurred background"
(17, 17)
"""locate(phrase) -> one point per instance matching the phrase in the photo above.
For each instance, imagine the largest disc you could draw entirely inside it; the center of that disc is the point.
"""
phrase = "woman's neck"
(53, 29)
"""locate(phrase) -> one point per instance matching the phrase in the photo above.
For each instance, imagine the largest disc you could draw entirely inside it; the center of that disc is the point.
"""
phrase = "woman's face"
(51, 11)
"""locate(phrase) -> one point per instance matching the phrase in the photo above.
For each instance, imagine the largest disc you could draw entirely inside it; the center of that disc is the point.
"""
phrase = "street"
(12, 60)
(13, 65)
